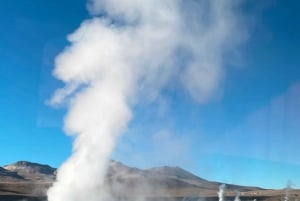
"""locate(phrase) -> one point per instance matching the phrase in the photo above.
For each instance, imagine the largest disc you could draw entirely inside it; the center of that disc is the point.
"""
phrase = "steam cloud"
(128, 52)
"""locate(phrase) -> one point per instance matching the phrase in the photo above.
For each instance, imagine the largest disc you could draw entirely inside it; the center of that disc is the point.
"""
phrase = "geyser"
(129, 49)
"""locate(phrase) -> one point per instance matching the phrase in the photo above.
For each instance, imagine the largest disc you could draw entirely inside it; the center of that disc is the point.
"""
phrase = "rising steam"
(128, 52)
(221, 192)
(237, 196)
(288, 191)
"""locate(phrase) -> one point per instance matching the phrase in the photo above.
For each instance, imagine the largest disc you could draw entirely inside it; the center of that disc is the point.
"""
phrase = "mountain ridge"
(120, 175)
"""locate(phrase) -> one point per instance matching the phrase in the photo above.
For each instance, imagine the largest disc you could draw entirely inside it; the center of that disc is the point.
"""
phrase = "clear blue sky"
(249, 136)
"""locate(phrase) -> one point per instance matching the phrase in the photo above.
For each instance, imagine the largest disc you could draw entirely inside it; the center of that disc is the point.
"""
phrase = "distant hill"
(32, 171)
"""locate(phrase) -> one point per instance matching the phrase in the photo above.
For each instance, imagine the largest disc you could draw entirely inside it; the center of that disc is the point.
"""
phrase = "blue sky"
(249, 135)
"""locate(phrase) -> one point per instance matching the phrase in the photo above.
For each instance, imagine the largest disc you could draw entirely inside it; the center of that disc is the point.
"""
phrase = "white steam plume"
(129, 49)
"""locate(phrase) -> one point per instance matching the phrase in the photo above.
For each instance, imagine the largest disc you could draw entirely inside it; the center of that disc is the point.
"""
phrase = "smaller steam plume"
(221, 192)
(237, 196)
(288, 190)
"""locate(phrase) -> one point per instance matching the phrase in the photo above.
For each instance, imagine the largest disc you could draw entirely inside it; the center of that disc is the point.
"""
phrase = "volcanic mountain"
(123, 180)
